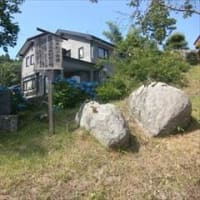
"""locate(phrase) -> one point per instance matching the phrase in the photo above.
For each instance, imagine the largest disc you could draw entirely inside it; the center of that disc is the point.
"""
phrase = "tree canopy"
(153, 16)
(8, 27)
(9, 71)
(187, 7)
(113, 34)
(157, 22)
(176, 41)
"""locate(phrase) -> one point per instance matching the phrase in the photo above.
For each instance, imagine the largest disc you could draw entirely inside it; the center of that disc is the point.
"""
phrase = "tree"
(8, 27)
(138, 60)
(153, 16)
(114, 34)
(143, 61)
(9, 71)
(157, 22)
(187, 7)
(176, 41)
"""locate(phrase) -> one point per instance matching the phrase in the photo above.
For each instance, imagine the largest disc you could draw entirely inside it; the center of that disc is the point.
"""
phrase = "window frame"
(32, 59)
(103, 53)
(29, 85)
(68, 53)
(81, 52)
(27, 61)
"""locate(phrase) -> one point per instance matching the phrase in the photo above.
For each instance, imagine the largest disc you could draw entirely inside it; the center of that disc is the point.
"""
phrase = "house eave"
(27, 44)
(30, 40)
(72, 64)
(198, 38)
(85, 36)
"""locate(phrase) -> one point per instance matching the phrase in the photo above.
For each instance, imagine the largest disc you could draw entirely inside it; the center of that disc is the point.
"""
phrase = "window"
(29, 85)
(32, 59)
(27, 61)
(66, 53)
(25, 86)
(102, 53)
(80, 53)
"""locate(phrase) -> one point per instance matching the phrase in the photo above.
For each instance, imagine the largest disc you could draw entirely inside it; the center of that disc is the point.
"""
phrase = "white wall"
(74, 45)
(29, 69)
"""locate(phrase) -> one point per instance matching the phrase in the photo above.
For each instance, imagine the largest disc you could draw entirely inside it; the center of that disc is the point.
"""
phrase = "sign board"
(48, 52)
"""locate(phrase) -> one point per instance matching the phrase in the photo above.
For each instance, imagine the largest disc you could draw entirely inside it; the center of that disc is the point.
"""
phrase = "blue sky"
(84, 16)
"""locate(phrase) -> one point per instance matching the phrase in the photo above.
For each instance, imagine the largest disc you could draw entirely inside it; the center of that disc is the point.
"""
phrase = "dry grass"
(73, 165)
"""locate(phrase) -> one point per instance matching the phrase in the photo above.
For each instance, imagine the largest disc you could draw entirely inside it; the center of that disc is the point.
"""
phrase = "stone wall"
(8, 123)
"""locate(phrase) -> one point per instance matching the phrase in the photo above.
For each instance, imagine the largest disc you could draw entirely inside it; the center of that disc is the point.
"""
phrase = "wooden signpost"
(50, 106)
(49, 58)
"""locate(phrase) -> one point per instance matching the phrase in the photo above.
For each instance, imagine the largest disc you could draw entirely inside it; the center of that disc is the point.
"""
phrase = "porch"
(82, 70)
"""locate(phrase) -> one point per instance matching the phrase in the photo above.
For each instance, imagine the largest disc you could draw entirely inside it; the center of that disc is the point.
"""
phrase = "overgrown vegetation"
(138, 60)
(72, 165)
(176, 41)
(67, 96)
(114, 88)
(192, 58)
(9, 71)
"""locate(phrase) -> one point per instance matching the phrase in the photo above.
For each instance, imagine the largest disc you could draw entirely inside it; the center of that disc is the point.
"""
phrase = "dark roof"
(27, 44)
(198, 38)
(29, 41)
(36, 36)
(61, 32)
(79, 61)
(83, 35)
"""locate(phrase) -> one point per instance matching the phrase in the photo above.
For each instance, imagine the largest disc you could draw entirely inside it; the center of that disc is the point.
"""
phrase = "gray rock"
(105, 122)
(160, 108)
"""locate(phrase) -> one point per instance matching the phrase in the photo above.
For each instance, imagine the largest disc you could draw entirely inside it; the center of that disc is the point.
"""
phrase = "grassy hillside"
(73, 165)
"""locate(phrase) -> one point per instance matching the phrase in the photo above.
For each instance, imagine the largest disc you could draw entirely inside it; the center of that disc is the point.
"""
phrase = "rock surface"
(160, 108)
(105, 122)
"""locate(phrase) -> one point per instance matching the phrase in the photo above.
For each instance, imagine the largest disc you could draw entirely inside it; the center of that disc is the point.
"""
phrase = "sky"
(86, 17)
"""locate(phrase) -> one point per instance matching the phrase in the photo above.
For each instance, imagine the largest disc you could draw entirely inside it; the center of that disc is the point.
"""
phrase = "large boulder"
(160, 108)
(105, 122)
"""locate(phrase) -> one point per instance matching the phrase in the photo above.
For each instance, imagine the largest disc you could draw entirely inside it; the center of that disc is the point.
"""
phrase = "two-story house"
(64, 53)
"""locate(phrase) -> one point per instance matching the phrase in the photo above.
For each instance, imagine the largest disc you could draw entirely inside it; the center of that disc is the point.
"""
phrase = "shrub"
(169, 68)
(65, 96)
(18, 102)
(192, 58)
(112, 89)
(143, 67)
(147, 66)
(137, 60)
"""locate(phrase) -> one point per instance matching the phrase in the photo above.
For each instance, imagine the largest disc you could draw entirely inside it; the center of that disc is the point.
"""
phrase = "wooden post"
(50, 107)
(50, 75)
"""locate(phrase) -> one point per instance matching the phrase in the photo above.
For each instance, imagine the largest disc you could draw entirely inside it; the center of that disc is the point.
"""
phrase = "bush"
(149, 66)
(192, 58)
(142, 68)
(137, 60)
(65, 96)
(169, 68)
(18, 102)
(112, 89)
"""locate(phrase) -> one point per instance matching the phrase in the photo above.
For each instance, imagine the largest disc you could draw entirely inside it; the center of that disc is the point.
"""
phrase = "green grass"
(72, 165)
(193, 90)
